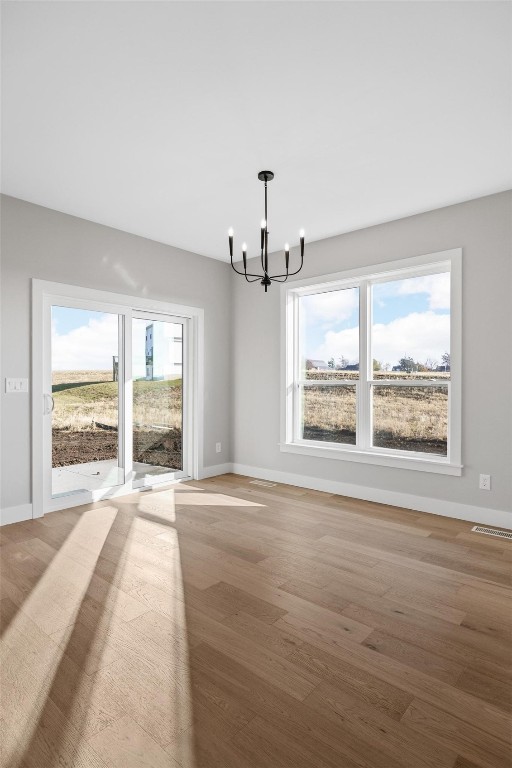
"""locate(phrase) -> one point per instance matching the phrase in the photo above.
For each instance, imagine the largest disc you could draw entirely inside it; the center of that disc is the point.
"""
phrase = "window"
(372, 364)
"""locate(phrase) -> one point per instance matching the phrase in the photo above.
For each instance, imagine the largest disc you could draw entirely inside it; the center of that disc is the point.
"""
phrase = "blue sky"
(410, 317)
(385, 310)
(68, 319)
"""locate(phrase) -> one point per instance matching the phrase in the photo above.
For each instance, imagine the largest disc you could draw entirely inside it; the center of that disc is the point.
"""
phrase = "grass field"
(412, 418)
(86, 399)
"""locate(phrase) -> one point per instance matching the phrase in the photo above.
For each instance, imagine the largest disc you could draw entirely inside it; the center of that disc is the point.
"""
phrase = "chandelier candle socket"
(266, 279)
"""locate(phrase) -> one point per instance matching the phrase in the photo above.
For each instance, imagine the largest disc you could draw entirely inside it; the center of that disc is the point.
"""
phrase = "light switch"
(16, 385)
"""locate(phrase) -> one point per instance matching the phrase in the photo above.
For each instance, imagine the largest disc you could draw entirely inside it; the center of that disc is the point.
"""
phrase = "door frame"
(44, 294)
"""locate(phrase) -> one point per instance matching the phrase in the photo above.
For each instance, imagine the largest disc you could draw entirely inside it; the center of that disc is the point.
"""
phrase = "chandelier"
(266, 279)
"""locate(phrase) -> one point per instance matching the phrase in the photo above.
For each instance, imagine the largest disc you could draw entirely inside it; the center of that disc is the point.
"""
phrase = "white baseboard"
(496, 517)
(16, 514)
(469, 512)
(23, 512)
(215, 469)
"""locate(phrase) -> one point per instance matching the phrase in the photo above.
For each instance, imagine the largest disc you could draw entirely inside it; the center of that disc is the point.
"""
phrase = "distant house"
(149, 352)
(316, 365)
(396, 368)
(351, 367)
(163, 352)
(443, 369)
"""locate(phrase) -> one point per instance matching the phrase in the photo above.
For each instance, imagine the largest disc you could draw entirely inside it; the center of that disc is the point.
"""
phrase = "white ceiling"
(156, 117)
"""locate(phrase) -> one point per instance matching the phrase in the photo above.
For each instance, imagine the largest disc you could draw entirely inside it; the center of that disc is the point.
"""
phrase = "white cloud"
(339, 344)
(92, 345)
(89, 347)
(422, 335)
(332, 306)
(436, 286)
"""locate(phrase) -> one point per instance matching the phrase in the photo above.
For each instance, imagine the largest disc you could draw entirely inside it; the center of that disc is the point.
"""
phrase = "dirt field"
(69, 447)
(160, 447)
(86, 399)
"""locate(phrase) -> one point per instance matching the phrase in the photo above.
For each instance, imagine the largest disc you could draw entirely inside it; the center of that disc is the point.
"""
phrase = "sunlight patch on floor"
(29, 658)
(96, 661)
(160, 504)
(212, 499)
(150, 676)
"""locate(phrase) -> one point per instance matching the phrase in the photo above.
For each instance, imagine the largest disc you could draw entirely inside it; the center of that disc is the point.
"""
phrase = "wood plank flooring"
(221, 624)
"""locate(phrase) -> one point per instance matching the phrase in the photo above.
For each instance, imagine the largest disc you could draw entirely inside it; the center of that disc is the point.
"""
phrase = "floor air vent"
(266, 483)
(492, 532)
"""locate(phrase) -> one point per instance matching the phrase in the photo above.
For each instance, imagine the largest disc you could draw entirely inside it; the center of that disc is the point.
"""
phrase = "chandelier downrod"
(266, 279)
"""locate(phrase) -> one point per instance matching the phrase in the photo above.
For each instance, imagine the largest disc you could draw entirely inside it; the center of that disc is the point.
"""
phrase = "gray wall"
(38, 242)
(483, 229)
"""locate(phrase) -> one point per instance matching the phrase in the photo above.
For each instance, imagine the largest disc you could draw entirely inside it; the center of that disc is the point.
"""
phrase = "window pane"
(329, 414)
(329, 335)
(85, 391)
(411, 328)
(157, 349)
(411, 418)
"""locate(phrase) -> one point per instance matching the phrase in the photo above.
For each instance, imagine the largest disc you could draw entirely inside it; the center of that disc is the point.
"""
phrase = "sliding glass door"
(114, 387)
(158, 397)
(84, 404)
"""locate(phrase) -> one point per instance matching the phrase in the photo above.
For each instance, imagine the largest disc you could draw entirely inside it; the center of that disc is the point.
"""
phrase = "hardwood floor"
(222, 624)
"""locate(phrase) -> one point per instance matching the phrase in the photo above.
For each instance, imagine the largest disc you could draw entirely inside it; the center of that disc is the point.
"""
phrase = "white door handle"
(48, 407)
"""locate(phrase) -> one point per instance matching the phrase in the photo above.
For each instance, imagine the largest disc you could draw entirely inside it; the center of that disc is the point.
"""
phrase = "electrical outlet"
(485, 483)
(218, 447)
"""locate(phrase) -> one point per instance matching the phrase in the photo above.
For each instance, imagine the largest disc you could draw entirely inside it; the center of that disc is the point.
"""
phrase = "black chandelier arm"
(301, 257)
(244, 274)
(235, 269)
(291, 274)
(274, 278)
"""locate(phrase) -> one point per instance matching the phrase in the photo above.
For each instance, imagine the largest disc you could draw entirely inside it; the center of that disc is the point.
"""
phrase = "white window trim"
(417, 265)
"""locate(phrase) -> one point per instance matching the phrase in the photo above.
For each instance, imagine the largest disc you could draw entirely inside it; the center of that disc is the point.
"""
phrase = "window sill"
(439, 466)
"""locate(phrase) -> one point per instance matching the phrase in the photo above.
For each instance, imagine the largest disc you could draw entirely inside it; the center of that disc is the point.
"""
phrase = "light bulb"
(263, 223)
(244, 246)
(230, 232)
(286, 247)
(301, 233)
